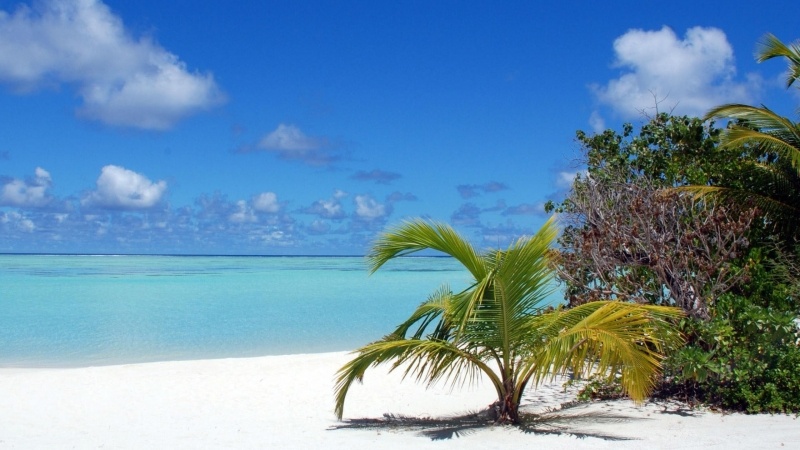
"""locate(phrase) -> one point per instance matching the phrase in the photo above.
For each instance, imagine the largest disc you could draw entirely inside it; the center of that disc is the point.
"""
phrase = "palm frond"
(417, 235)
(772, 47)
(771, 205)
(428, 360)
(606, 337)
(783, 142)
(521, 281)
(527, 270)
(436, 307)
(773, 132)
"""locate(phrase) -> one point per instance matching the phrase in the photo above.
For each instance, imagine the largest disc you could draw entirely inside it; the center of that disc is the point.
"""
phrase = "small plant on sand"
(500, 325)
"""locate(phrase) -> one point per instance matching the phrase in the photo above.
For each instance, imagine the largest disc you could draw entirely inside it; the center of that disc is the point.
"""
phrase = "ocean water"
(62, 311)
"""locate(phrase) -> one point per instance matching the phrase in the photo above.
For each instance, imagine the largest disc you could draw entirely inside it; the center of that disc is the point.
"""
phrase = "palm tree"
(500, 326)
(770, 176)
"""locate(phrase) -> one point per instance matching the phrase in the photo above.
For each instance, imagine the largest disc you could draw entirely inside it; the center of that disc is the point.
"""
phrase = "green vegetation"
(630, 236)
(772, 179)
(498, 326)
(747, 356)
(727, 254)
(682, 214)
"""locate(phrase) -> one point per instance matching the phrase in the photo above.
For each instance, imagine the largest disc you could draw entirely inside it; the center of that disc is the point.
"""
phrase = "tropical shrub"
(741, 350)
(746, 357)
(631, 235)
(644, 243)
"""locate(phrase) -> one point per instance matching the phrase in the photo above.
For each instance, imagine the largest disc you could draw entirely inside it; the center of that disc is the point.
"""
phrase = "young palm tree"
(500, 327)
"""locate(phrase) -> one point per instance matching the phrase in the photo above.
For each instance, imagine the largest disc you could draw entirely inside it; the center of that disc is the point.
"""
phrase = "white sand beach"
(287, 402)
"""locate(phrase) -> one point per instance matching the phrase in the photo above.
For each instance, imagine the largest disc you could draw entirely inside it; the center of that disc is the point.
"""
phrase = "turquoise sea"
(70, 310)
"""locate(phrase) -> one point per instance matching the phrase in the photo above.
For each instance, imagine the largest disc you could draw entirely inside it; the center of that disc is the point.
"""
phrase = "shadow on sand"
(554, 422)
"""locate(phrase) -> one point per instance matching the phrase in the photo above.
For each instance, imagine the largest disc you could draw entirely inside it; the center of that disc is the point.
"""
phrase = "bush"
(745, 358)
(599, 388)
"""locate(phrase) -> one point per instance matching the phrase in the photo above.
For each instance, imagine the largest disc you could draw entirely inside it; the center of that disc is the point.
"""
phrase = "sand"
(287, 402)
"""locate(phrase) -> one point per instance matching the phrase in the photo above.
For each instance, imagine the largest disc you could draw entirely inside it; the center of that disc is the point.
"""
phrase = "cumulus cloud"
(211, 208)
(367, 208)
(376, 175)
(289, 138)
(474, 190)
(290, 143)
(328, 209)
(27, 193)
(266, 202)
(243, 213)
(691, 75)
(121, 80)
(120, 188)
(17, 222)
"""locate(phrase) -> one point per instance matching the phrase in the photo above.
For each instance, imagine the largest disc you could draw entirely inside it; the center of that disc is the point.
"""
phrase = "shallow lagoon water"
(69, 310)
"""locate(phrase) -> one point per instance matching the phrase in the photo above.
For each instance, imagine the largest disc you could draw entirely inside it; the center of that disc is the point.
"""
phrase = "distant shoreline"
(201, 255)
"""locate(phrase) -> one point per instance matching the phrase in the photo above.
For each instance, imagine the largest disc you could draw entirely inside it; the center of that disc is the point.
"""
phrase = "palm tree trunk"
(508, 405)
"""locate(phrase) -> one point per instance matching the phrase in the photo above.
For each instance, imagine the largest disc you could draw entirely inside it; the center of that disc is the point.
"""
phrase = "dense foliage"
(772, 142)
(634, 231)
(647, 244)
(630, 235)
(746, 357)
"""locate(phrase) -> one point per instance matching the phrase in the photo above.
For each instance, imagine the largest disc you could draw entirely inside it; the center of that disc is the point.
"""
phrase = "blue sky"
(307, 127)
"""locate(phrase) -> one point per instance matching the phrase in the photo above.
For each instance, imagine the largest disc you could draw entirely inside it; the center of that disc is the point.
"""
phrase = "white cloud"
(597, 122)
(274, 237)
(289, 138)
(26, 225)
(369, 209)
(564, 180)
(243, 213)
(120, 188)
(17, 221)
(690, 75)
(328, 209)
(121, 80)
(290, 143)
(266, 202)
(27, 193)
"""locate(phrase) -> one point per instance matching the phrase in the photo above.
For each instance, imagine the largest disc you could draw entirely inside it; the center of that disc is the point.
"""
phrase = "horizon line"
(208, 255)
